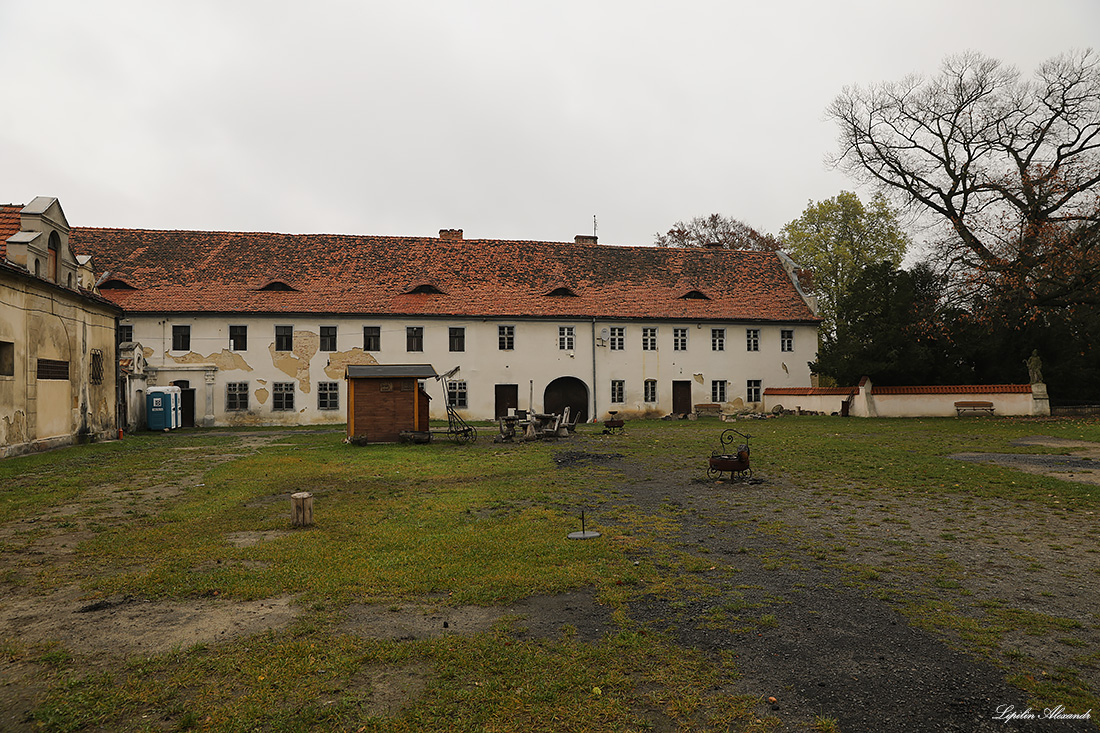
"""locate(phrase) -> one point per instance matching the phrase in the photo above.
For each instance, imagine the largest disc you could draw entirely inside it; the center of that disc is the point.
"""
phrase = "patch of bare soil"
(1083, 466)
(811, 611)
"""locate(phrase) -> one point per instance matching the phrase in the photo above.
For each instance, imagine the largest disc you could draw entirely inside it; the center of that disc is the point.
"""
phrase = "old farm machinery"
(457, 429)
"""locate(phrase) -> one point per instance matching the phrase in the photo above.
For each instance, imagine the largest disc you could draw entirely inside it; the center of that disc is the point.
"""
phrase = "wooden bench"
(972, 406)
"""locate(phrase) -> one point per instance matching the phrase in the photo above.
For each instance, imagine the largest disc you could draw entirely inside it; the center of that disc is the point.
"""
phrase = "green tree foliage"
(715, 231)
(1009, 167)
(836, 239)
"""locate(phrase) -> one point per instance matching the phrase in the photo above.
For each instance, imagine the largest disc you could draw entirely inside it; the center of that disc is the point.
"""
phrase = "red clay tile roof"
(9, 225)
(956, 389)
(192, 271)
(811, 391)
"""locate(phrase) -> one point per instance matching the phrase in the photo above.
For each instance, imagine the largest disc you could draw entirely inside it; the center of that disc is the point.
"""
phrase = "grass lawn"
(204, 516)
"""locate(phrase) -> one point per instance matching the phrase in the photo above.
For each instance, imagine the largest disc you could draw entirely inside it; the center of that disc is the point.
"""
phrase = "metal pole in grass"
(584, 534)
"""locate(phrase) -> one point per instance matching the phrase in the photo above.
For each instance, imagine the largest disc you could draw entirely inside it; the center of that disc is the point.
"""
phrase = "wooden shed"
(385, 400)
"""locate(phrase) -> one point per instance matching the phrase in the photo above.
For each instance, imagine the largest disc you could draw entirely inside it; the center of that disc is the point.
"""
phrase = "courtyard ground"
(873, 575)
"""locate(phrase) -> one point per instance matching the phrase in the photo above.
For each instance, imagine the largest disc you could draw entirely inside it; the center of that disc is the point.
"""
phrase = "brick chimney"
(586, 239)
(453, 235)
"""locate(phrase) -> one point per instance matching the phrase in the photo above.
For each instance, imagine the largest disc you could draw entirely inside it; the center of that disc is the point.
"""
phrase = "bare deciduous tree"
(716, 231)
(1009, 166)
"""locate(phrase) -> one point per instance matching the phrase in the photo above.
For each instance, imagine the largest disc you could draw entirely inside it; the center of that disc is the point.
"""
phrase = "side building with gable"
(58, 380)
(258, 328)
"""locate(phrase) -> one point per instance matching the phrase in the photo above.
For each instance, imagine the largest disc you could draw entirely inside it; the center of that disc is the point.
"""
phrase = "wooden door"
(681, 397)
(507, 397)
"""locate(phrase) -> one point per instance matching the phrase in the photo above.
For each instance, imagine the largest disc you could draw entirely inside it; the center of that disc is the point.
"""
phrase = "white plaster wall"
(534, 362)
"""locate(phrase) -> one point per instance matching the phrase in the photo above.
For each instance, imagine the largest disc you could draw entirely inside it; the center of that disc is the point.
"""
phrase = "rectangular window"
(95, 368)
(328, 395)
(617, 341)
(717, 339)
(718, 390)
(679, 339)
(284, 338)
(618, 388)
(181, 338)
(52, 369)
(328, 338)
(565, 338)
(236, 396)
(752, 390)
(649, 339)
(506, 337)
(456, 338)
(786, 339)
(372, 338)
(752, 339)
(125, 332)
(238, 338)
(651, 390)
(7, 358)
(282, 396)
(456, 393)
(414, 338)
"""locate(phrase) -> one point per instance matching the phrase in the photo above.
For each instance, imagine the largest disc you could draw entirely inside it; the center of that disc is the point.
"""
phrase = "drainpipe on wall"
(593, 342)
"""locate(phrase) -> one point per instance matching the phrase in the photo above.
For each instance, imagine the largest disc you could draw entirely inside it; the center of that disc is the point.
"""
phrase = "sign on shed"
(385, 400)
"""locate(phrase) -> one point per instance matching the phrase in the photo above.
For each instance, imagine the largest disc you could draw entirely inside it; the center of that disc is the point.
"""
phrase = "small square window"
(752, 339)
(752, 390)
(565, 338)
(651, 390)
(718, 390)
(617, 341)
(679, 339)
(649, 339)
(456, 339)
(328, 395)
(52, 369)
(372, 338)
(618, 390)
(7, 358)
(238, 338)
(328, 338)
(786, 339)
(181, 338)
(284, 338)
(282, 396)
(236, 396)
(125, 332)
(414, 338)
(717, 339)
(506, 337)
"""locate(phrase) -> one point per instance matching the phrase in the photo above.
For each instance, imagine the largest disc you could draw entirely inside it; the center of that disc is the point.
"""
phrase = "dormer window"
(116, 284)
(695, 295)
(277, 286)
(562, 292)
(425, 289)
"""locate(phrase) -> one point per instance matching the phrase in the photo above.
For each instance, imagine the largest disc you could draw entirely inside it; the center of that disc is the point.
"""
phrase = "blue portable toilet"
(162, 407)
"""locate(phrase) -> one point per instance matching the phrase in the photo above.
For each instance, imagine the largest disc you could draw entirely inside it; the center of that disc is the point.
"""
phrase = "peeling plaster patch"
(295, 363)
(339, 360)
(698, 378)
(15, 428)
(225, 360)
(261, 396)
(147, 351)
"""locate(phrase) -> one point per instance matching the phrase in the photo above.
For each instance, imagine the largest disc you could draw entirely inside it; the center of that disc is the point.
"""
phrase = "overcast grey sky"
(512, 120)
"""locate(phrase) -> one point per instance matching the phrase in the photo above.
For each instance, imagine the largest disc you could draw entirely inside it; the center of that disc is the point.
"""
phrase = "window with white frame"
(649, 339)
(650, 390)
(718, 390)
(617, 341)
(506, 338)
(328, 395)
(786, 339)
(284, 338)
(717, 339)
(566, 337)
(282, 396)
(752, 390)
(236, 396)
(456, 393)
(752, 339)
(618, 391)
(328, 338)
(679, 339)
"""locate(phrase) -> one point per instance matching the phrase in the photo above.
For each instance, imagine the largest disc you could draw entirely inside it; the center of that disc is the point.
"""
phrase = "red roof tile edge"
(923, 389)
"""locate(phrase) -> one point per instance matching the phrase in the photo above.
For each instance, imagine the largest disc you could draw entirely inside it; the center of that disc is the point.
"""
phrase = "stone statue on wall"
(1035, 367)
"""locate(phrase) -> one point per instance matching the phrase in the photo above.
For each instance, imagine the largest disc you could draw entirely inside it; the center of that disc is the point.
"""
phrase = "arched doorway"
(563, 392)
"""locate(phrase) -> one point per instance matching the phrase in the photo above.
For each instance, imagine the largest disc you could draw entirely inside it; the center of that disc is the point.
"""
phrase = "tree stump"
(301, 509)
